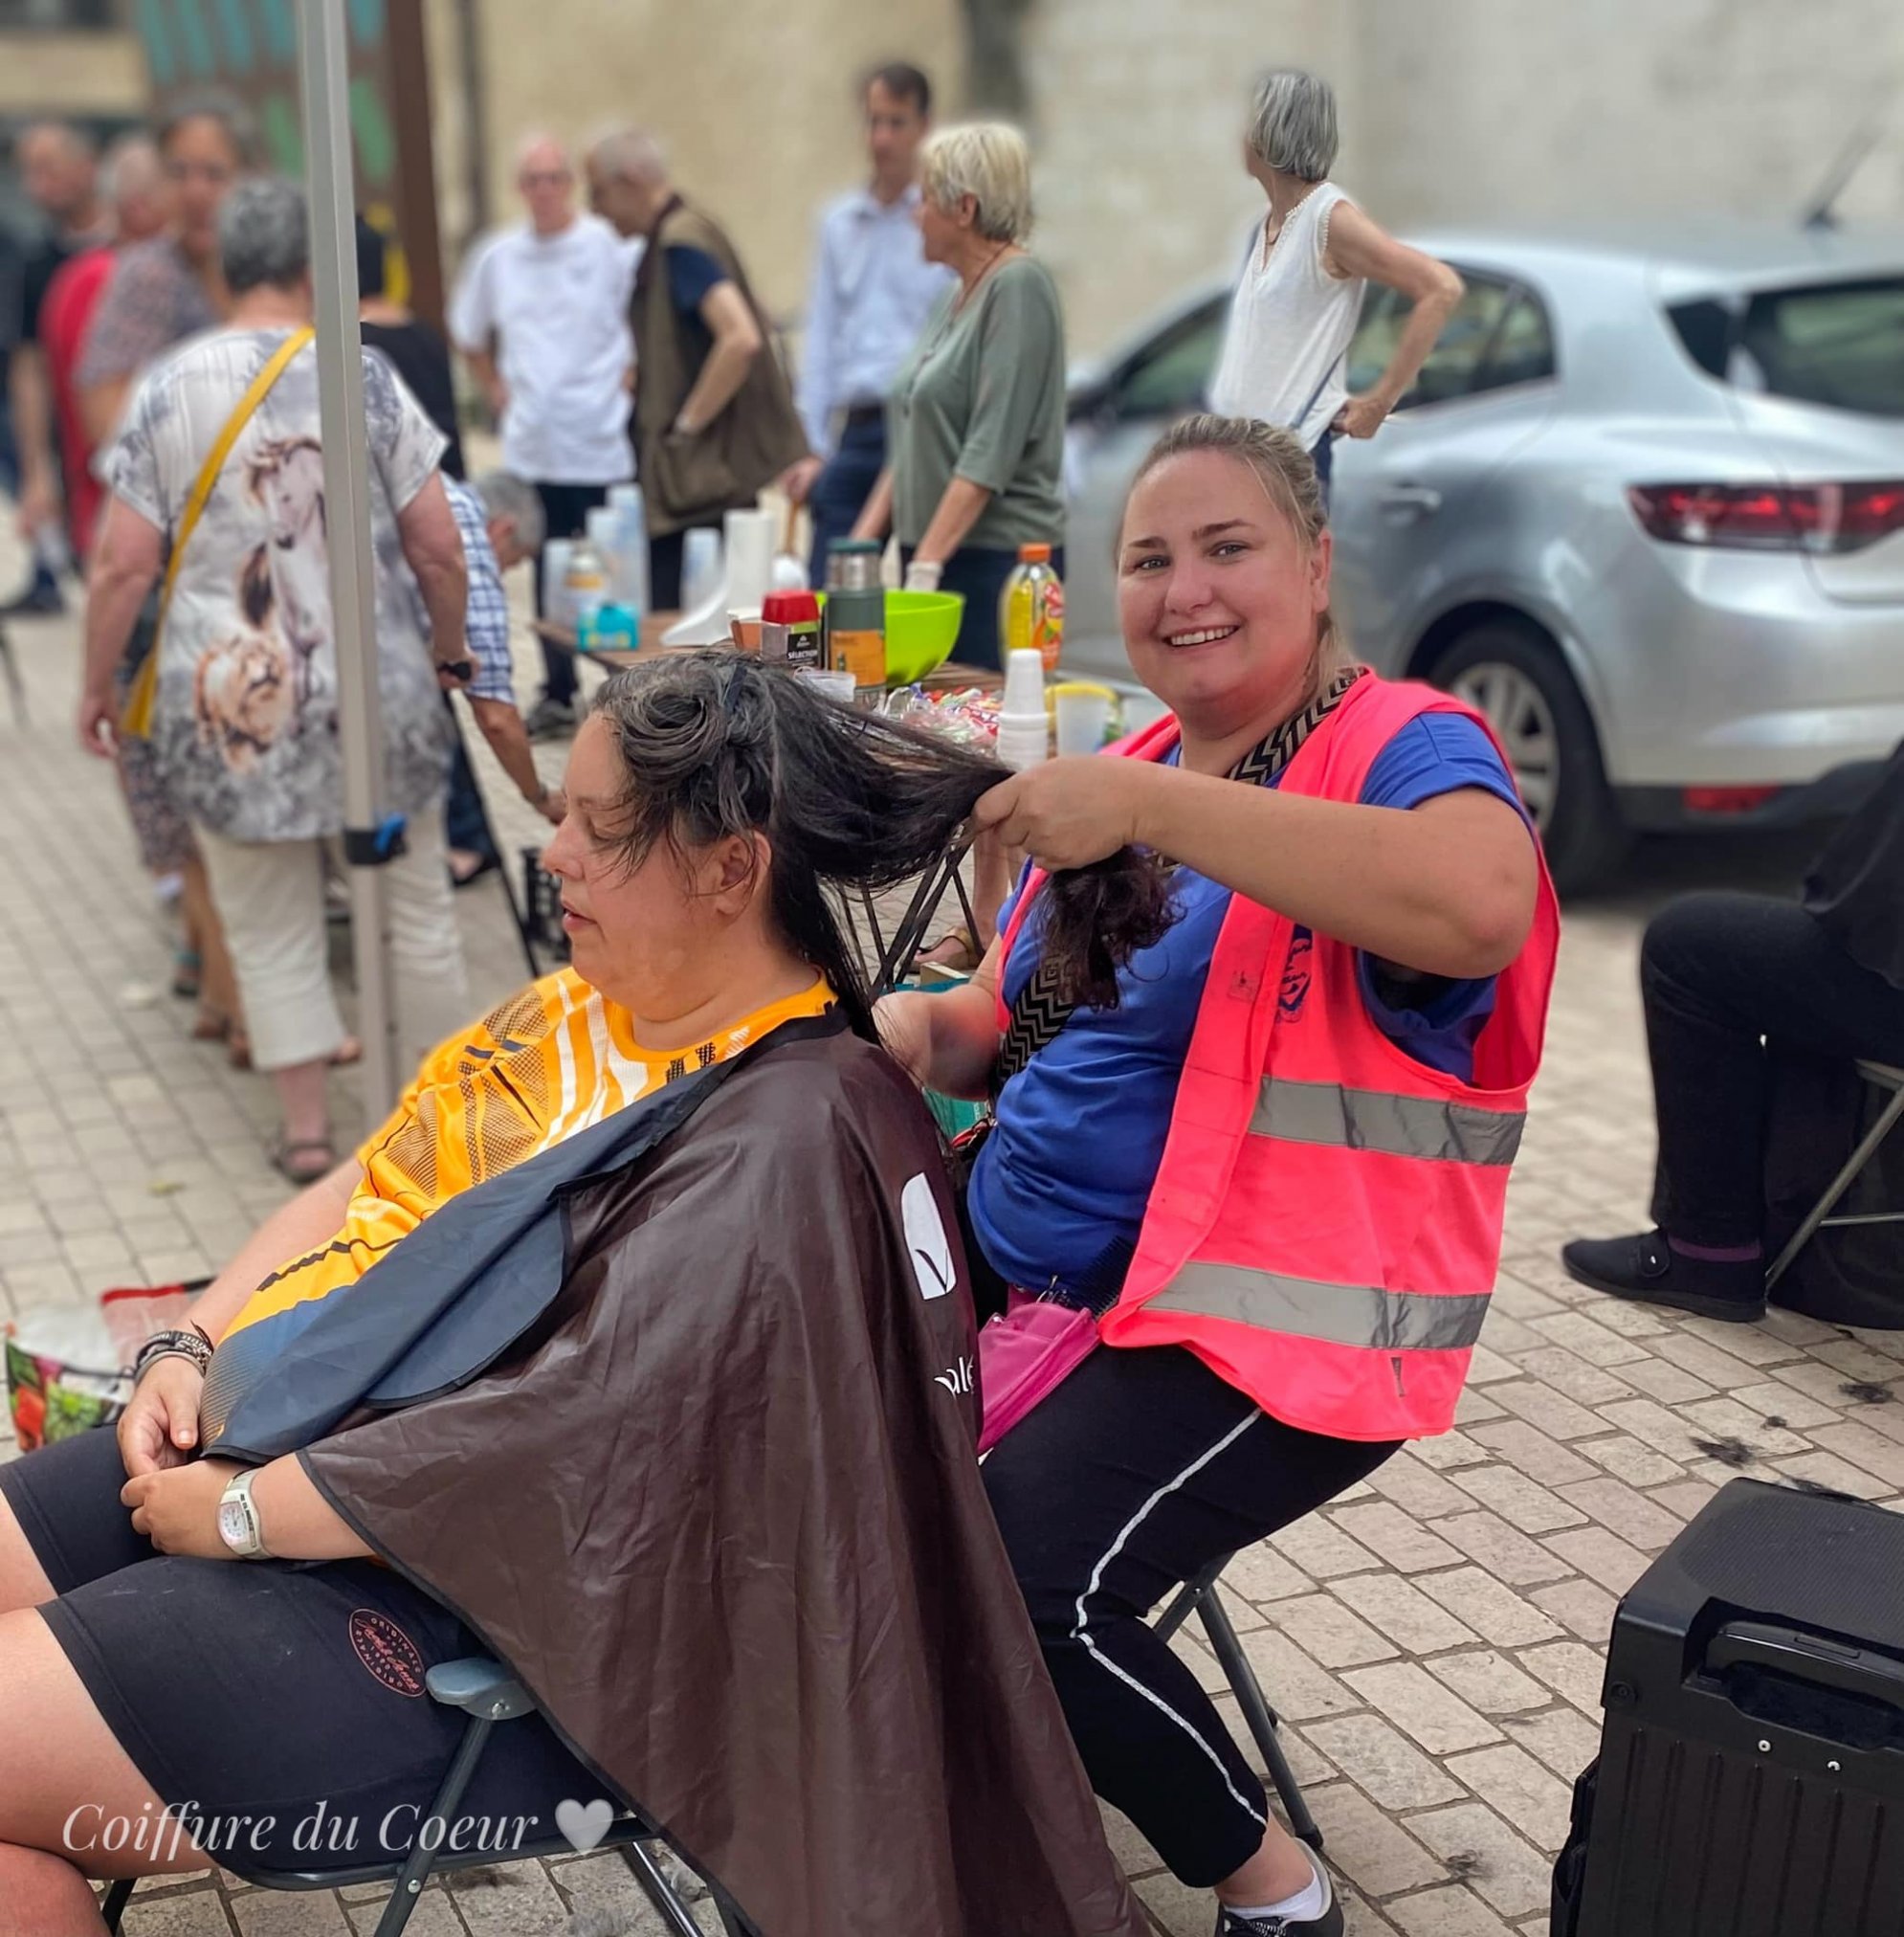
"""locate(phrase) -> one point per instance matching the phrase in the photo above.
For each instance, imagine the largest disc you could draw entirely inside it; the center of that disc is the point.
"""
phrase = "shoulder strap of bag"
(1043, 1005)
(137, 719)
(1301, 416)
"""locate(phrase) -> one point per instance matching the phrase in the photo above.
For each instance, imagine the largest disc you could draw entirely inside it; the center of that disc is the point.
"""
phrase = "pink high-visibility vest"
(1325, 1224)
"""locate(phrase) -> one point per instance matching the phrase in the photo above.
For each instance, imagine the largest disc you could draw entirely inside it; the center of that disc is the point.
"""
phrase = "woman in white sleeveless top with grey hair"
(1285, 357)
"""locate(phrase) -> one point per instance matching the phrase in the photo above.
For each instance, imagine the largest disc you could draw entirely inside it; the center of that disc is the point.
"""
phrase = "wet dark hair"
(903, 81)
(717, 743)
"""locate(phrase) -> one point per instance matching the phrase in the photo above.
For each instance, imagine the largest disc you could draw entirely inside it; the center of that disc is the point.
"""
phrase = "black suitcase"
(1751, 1772)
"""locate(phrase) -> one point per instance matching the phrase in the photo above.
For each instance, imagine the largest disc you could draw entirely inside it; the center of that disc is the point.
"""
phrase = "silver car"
(1644, 507)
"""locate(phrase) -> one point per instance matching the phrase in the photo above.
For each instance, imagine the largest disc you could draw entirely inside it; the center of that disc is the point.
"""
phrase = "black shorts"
(278, 1707)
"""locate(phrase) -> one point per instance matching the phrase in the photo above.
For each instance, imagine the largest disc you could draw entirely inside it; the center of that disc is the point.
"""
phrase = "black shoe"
(43, 599)
(1648, 1270)
(551, 718)
(1328, 1924)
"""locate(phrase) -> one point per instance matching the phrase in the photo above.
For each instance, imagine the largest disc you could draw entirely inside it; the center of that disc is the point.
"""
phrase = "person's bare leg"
(42, 1896)
(65, 1778)
(23, 1581)
(301, 1097)
(1280, 1868)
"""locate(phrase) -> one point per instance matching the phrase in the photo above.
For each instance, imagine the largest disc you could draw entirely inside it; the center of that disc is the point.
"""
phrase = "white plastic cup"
(1083, 720)
(1024, 739)
(1024, 684)
(631, 581)
(556, 606)
(833, 684)
(700, 566)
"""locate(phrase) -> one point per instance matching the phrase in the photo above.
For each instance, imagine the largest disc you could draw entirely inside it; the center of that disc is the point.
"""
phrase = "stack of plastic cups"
(700, 568)
(625, 502)
(556, 606)
(1023, 729)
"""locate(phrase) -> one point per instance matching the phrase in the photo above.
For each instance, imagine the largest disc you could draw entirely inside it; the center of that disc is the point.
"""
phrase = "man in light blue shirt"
(872, 291)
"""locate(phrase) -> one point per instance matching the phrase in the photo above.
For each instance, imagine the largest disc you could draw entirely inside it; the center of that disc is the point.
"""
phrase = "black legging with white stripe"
(1137, 1472)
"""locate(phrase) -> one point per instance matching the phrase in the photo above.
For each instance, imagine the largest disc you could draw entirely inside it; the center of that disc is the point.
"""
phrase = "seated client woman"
(1270, 1151)
(625, 1350)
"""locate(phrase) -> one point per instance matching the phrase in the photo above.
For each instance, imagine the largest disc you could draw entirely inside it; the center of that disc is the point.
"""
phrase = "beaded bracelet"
(194, 1345)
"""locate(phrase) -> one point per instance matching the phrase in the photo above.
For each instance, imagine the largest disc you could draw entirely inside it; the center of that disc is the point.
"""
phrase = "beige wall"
(79, 73)
(1137, 126)
(753, 102)
(1490, 109)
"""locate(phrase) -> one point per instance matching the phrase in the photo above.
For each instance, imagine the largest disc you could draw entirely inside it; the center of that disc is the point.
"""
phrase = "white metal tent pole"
(323, 55)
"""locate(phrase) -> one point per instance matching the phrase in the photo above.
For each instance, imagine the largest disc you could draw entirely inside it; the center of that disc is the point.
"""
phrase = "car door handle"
(1421, 500)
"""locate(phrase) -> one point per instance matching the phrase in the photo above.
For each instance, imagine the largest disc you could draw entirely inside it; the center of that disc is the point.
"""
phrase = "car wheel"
(1513, 676)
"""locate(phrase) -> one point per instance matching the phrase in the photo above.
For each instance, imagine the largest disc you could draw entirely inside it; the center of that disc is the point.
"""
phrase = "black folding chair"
(1200, 1594)
(1883, 1076)
(488, 1694)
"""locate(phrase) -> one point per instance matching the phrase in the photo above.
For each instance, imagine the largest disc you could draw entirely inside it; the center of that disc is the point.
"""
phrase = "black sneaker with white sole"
(1327, 1923)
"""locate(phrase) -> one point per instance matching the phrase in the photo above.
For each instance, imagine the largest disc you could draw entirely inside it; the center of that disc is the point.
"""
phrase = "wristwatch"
(239, 1524)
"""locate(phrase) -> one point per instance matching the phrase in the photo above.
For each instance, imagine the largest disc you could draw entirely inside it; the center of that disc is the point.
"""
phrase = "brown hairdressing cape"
(717, 1506)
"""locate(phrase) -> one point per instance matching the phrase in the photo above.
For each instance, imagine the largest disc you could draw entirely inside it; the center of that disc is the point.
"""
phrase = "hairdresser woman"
(1300, 1106)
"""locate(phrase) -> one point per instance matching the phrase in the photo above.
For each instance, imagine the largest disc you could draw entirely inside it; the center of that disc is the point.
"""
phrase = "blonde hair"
(1287, 474)
(987, 161)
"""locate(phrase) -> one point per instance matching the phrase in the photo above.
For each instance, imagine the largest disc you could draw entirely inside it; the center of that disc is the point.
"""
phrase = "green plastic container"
(921, 633)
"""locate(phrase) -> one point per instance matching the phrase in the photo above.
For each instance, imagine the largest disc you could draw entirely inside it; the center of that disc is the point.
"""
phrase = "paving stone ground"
(1433, 1638)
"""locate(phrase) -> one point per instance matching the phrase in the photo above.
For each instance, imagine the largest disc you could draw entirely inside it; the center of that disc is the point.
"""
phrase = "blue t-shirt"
(1049, 1205)
(691, 274)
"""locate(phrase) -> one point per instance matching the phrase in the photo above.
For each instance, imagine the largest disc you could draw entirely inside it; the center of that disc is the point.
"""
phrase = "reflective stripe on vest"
(1394, 1125)
(1342, 1314)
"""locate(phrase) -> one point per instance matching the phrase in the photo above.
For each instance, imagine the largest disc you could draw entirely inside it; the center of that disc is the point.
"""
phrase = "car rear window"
(1840, 344)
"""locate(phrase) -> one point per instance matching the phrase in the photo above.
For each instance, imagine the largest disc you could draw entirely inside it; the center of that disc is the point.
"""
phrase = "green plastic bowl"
(922, 629)
(921, 632)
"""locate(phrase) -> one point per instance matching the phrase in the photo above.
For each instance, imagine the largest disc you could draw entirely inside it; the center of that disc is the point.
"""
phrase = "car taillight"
(1726, 799)
(1820, 517)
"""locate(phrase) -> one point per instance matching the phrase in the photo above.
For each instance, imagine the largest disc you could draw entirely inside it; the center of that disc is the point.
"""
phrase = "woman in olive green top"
(975, 422)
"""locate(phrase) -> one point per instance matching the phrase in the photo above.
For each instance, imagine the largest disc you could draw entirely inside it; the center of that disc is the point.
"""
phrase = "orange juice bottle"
(1030, 609)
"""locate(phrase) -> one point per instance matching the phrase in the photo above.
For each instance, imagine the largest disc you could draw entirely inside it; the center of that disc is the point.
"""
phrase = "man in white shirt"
(872, 291)
(540, 314)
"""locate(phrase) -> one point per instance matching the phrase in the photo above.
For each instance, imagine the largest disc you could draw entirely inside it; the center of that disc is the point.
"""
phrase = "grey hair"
(264, 234)
(1292, 124)
(631, 154)
(131, 165)
(989, 162)
(233, 118)
(504, 495)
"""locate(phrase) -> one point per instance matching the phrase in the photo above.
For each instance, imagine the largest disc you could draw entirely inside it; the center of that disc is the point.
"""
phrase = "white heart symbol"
(583, 1825)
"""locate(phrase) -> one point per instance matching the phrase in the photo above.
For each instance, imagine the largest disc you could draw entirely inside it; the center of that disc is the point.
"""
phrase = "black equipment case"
(1751, 1772)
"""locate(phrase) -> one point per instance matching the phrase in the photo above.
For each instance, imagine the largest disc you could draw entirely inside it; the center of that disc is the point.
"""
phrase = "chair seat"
(479, 1687)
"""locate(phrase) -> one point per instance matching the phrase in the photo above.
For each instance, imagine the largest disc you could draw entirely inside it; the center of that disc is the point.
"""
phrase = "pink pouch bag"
(1024, 1354)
